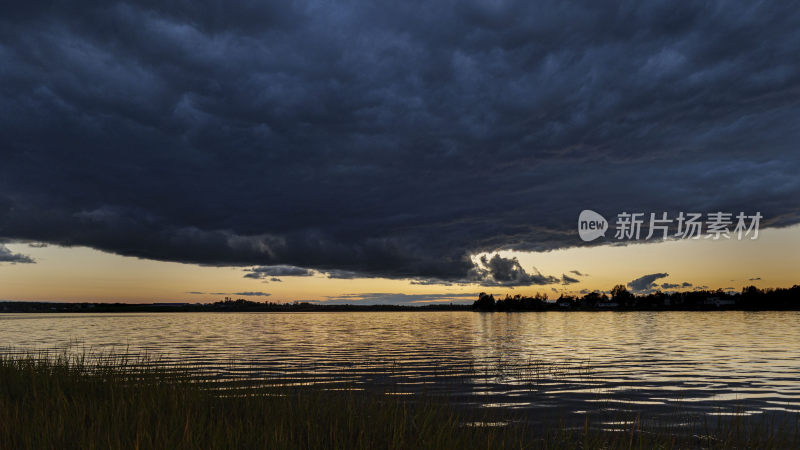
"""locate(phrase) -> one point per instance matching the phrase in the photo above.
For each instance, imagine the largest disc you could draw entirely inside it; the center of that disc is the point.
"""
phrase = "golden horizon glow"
(75, 274)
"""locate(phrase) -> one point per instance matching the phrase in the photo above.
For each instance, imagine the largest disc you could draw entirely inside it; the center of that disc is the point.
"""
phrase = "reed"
(121, 402)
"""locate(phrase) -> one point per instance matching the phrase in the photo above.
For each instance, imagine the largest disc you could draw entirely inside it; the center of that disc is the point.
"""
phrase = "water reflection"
(570, 360)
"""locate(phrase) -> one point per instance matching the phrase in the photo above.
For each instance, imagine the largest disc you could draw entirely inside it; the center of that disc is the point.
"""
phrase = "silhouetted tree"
(485, 302)
(590, 300)
(620, 294)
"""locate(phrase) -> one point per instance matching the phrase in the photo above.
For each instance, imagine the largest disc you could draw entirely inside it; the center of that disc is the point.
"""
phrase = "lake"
(574, 362)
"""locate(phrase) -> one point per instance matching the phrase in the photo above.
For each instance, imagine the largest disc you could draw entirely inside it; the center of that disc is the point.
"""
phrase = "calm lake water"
(709, 362)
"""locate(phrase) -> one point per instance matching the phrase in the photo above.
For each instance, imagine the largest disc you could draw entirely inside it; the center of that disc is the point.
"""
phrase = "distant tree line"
(750, 298)
(619, 298)
(226, 305)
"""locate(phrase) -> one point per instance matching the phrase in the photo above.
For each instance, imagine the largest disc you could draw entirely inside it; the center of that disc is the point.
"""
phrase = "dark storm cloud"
(6, 255)
(387, 139)
(646, 283)
(578, 273)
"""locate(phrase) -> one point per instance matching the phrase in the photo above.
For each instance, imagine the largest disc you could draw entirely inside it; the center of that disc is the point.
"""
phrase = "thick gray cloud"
(500, 271)
(646, 283)
(390, 139)
(343, 274)
(6, 255)
(272, 272)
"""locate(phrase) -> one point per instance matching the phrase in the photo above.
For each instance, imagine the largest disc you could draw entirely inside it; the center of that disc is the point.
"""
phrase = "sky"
(390, 152)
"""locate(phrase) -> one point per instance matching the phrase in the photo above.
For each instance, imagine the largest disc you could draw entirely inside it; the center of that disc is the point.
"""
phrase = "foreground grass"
(71, 402)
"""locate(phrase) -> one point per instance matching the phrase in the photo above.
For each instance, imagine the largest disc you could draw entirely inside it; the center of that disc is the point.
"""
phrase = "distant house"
(607, 305)
(716, 301)
(564, 302)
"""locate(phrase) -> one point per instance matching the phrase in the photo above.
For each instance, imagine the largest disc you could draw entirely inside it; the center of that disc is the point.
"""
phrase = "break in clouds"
(387, 139)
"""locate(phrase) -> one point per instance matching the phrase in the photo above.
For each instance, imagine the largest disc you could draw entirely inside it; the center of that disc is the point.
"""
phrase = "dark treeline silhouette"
(226, 305)
(486, 302)
(750, 298)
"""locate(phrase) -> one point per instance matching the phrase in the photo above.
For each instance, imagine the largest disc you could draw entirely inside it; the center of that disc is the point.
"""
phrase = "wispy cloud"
(566, 279)
(384, 298)
(244, 293)
(6, 255)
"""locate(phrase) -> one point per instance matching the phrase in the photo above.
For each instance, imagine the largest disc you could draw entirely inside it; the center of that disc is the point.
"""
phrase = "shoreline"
(750, 299)
(111, 308)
